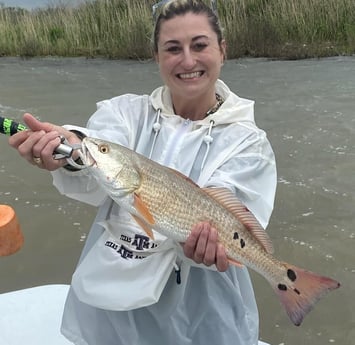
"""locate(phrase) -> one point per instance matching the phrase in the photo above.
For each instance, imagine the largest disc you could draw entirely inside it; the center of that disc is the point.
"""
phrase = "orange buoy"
(11, 237)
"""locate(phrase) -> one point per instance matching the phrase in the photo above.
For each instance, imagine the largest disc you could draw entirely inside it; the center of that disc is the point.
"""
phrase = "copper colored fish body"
(162, 199)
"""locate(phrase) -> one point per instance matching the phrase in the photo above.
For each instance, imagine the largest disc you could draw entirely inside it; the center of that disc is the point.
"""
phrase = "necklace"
(212, 110)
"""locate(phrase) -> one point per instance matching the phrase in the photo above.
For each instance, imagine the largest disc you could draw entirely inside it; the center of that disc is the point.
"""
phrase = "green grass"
(122, 29)
(290, 28)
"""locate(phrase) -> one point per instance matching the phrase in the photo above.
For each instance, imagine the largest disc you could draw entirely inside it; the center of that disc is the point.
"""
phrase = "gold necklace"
(212, 110)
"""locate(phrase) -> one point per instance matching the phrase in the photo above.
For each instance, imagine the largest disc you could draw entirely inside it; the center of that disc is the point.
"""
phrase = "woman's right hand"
(202, 246)
(38, 143)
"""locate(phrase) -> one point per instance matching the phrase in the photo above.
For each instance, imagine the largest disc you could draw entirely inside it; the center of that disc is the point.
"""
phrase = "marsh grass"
(289, 28)
(122, 29)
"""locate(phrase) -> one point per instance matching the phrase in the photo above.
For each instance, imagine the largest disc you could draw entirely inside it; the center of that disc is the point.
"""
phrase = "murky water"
(308, 109)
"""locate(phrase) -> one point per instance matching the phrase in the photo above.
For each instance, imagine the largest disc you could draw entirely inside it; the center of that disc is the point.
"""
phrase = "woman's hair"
(173, 8)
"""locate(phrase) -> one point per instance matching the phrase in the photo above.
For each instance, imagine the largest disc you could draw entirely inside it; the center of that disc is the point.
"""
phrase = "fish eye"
(104, 148)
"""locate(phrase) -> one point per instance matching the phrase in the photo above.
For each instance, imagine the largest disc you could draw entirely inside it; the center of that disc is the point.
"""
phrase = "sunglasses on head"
(155, 7)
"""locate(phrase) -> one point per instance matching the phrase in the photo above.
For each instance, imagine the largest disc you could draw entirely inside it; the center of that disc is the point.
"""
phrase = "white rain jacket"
(124, 290)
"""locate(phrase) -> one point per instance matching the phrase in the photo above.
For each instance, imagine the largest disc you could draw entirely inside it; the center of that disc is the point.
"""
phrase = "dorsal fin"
(228, 200)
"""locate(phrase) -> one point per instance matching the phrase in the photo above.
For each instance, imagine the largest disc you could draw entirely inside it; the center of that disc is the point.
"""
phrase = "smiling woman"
(190, 58)
(128, 287)
(190, 62)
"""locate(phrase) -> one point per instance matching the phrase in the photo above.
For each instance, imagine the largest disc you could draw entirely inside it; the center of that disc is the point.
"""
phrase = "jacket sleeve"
(111, 121)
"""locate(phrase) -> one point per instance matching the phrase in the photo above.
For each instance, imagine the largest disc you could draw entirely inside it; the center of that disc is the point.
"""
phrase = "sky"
(30, 4)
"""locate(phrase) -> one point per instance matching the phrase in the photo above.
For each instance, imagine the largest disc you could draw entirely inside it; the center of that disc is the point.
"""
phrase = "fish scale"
(162, 203)
(182, 209)
(162, 199)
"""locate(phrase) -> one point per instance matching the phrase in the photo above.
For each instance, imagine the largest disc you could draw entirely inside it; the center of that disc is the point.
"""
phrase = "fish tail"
(302, 290)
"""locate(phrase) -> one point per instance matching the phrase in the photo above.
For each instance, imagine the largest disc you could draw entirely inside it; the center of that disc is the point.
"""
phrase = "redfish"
(163, 199)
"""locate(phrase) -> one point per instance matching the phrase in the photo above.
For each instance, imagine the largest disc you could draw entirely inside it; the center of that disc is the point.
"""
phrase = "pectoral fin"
(144, 226)
(145, 219)
(143, 210)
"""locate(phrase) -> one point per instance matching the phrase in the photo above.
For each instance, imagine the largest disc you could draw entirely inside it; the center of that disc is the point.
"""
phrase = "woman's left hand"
(202, 246)
(37, 143)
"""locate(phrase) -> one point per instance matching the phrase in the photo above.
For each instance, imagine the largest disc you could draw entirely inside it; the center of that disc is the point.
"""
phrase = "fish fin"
(235, 263)
(144, 226)
(143, 210)
(226, 198)
(144, 218)
(305, 288)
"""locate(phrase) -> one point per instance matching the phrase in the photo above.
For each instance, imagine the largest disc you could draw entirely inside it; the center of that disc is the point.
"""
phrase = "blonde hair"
(173, 8)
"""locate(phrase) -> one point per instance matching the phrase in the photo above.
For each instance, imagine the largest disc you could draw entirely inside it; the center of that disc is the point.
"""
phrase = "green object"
(10, 127)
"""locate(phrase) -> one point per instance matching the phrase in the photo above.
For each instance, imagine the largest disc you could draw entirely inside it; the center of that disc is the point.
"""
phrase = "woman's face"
(189, 56)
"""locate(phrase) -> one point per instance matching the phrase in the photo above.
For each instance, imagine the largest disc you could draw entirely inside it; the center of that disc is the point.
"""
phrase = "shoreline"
(100, 59)
(292, 30)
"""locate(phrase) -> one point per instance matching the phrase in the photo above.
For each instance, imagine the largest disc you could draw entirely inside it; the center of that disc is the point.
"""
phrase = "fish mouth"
(86, 156)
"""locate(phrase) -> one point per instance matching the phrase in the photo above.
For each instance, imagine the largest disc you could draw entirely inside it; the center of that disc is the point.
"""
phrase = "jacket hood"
(234, 109)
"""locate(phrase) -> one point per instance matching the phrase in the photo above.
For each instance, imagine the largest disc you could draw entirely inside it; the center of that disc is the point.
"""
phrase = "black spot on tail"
(242, 243)
(291, 275)
(297, 291)
(282, 287)
(235, 236)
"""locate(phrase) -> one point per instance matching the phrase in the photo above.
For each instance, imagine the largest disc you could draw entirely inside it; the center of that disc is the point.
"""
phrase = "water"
(34, 4)
(307, 108)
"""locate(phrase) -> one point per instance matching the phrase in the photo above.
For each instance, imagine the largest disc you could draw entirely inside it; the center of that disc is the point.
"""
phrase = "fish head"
(111, 165)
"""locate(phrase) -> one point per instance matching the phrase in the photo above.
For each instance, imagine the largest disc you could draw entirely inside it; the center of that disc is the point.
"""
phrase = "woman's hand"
(38, 143)
(202, 246)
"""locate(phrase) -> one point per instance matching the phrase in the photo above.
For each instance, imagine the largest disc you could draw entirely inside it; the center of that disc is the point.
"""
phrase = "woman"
(124, 290)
